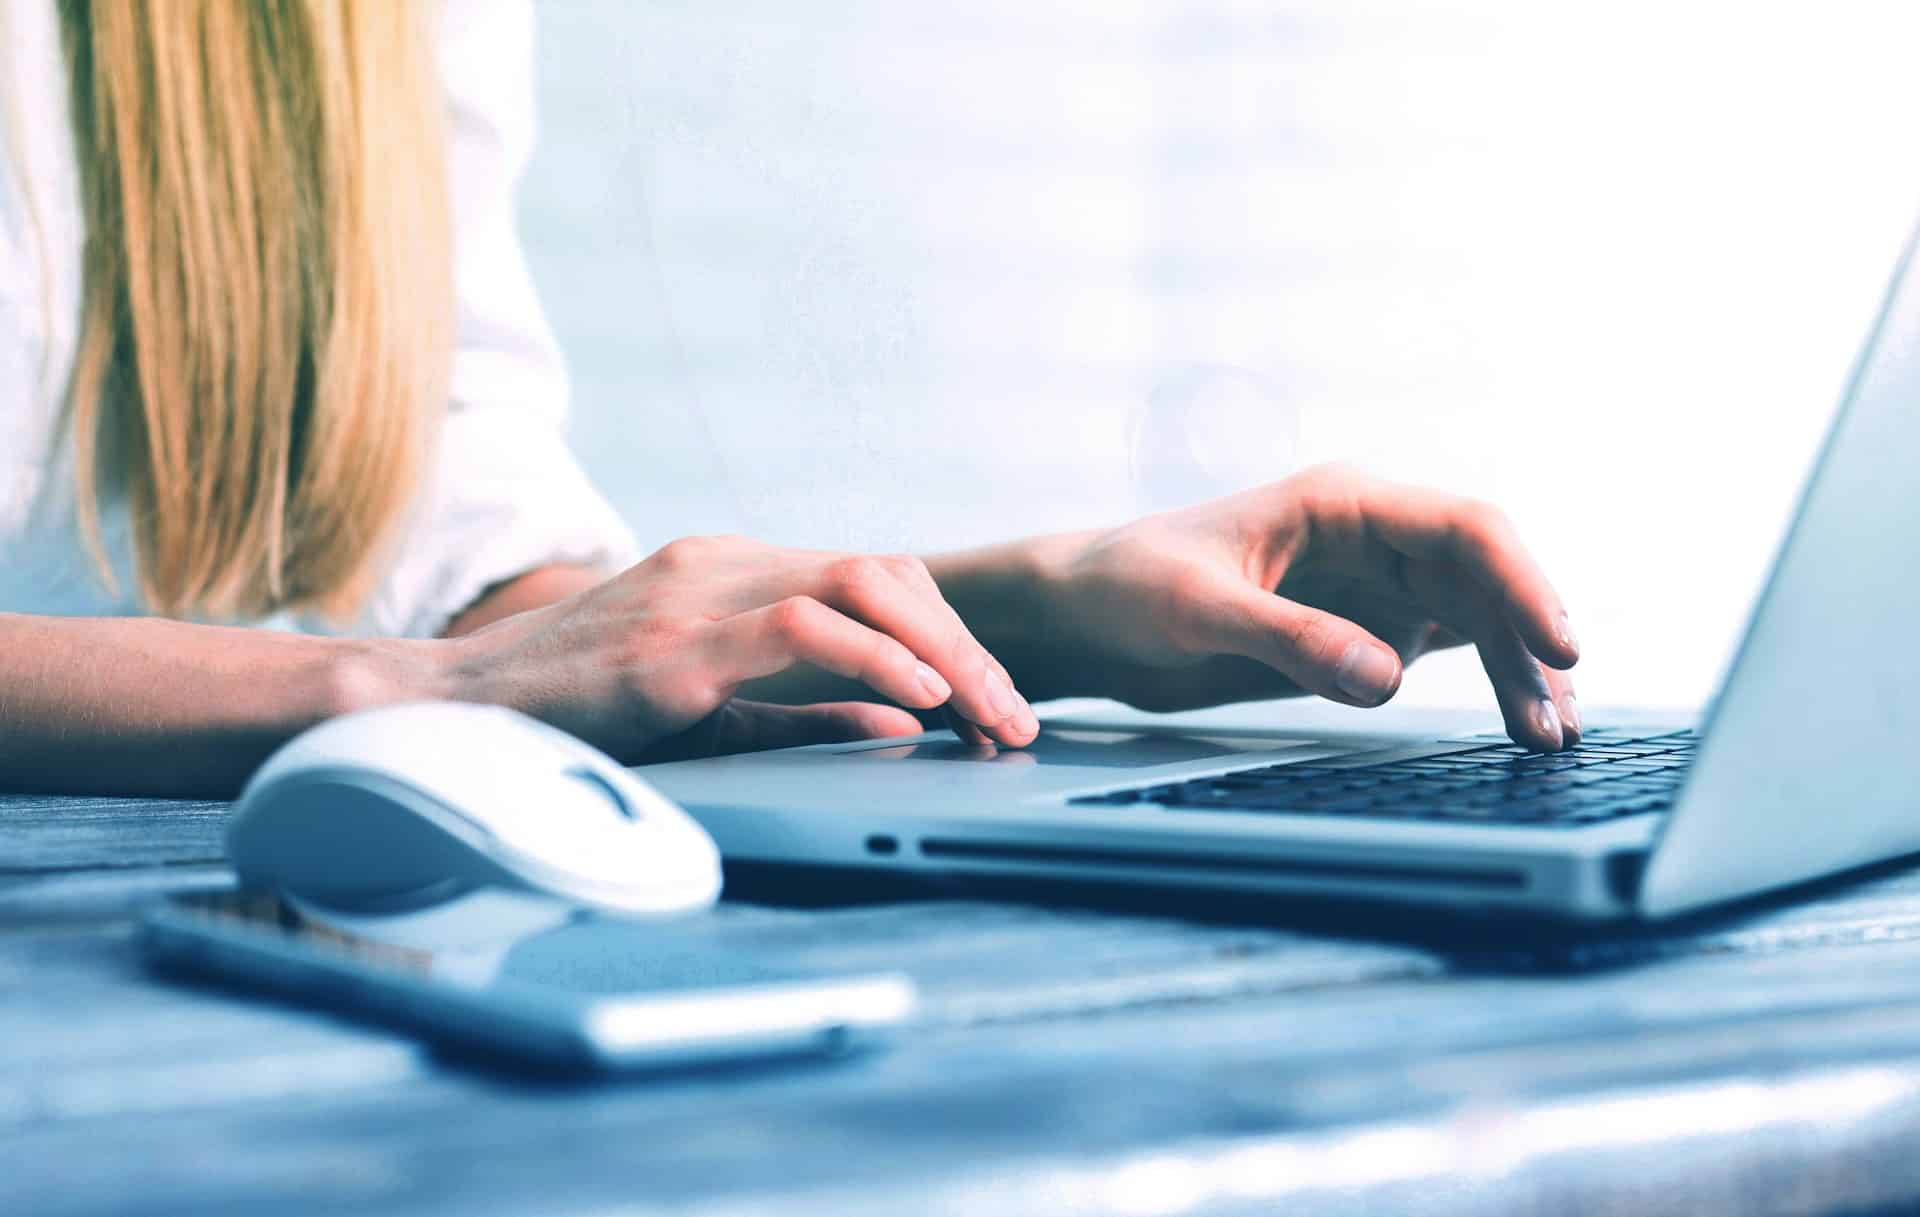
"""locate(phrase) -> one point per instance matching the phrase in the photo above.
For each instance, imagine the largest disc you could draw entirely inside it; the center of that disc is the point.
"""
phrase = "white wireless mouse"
(394, 809)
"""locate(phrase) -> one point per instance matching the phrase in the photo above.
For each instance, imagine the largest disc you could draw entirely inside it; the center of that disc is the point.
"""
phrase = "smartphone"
(529, 980)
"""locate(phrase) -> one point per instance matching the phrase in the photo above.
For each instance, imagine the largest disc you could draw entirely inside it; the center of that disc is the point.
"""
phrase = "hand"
(646, 665)
(1328, 583)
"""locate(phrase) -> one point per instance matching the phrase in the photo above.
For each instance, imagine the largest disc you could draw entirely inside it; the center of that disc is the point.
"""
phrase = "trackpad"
(1097, 749)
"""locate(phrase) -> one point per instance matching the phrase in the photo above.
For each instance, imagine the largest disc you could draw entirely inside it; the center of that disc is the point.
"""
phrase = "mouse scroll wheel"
(597, 780)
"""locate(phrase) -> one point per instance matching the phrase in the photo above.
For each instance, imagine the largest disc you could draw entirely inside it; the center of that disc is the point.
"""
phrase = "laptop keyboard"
(1612, 773)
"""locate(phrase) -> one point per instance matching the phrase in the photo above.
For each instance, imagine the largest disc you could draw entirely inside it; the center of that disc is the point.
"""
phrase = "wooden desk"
(1074, 1060)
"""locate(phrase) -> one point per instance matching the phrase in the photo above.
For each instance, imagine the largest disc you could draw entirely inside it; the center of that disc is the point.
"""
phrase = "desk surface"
(1074, 1059)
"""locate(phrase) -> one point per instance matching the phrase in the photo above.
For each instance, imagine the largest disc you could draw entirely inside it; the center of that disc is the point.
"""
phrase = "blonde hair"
(266, 305)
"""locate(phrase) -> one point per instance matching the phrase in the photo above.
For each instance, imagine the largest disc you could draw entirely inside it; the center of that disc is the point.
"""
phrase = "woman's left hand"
(1328, 583)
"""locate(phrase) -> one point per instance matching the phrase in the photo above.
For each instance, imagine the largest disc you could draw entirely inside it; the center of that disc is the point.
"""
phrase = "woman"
(269, 356)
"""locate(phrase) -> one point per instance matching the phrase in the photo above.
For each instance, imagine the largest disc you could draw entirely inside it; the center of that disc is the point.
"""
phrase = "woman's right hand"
(645, 665)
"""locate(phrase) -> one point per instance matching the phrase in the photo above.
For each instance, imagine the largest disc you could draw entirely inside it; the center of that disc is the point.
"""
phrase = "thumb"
(749, 726)
(1318, 651)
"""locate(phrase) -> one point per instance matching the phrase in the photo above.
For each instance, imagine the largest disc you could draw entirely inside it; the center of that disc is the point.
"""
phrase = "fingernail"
(1546, 720)
(999, 695)
(1366, 673)
(1570, 717)
(1565, 629)
(936, 685)
(1025, 722)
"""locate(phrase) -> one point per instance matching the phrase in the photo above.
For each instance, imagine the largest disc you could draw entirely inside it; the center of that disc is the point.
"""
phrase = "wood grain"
(1072, 1059)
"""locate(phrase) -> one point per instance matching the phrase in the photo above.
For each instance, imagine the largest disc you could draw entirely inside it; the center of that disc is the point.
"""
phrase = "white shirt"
(505, 496)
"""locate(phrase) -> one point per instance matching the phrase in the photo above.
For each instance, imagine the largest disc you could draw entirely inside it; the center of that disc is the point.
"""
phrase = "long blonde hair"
(267, 298)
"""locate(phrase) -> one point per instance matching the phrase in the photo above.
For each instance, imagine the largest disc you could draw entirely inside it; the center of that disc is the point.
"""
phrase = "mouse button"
(559, 818)
(591, 777)
(574, 832)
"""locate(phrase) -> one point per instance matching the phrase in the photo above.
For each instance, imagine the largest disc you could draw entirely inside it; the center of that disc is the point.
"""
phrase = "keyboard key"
(1611, 774)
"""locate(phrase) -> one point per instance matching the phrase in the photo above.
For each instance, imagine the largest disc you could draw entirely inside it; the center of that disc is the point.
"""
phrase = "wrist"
(1012, 598)
(363, 674)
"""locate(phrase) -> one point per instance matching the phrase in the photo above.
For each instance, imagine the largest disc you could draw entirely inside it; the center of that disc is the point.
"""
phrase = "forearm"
(155, 707)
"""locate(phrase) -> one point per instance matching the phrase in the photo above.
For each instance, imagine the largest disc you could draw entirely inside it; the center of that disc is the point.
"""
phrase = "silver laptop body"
(1807, 763)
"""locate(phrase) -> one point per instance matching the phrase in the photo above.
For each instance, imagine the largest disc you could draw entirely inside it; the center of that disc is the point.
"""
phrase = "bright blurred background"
(911, 276)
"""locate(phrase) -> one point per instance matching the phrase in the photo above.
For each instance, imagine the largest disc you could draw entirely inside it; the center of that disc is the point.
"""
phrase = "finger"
(896, 597)
(968, 733)
(1561, 687)
(1432, 526)
(748, 726)
(800, 629)
(1217, 680)
(1318, 651)
(1466, 610)
(755, 725)
(1520, 683)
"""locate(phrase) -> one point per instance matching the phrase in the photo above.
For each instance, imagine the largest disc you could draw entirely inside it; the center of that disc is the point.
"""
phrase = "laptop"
(1806, 763)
